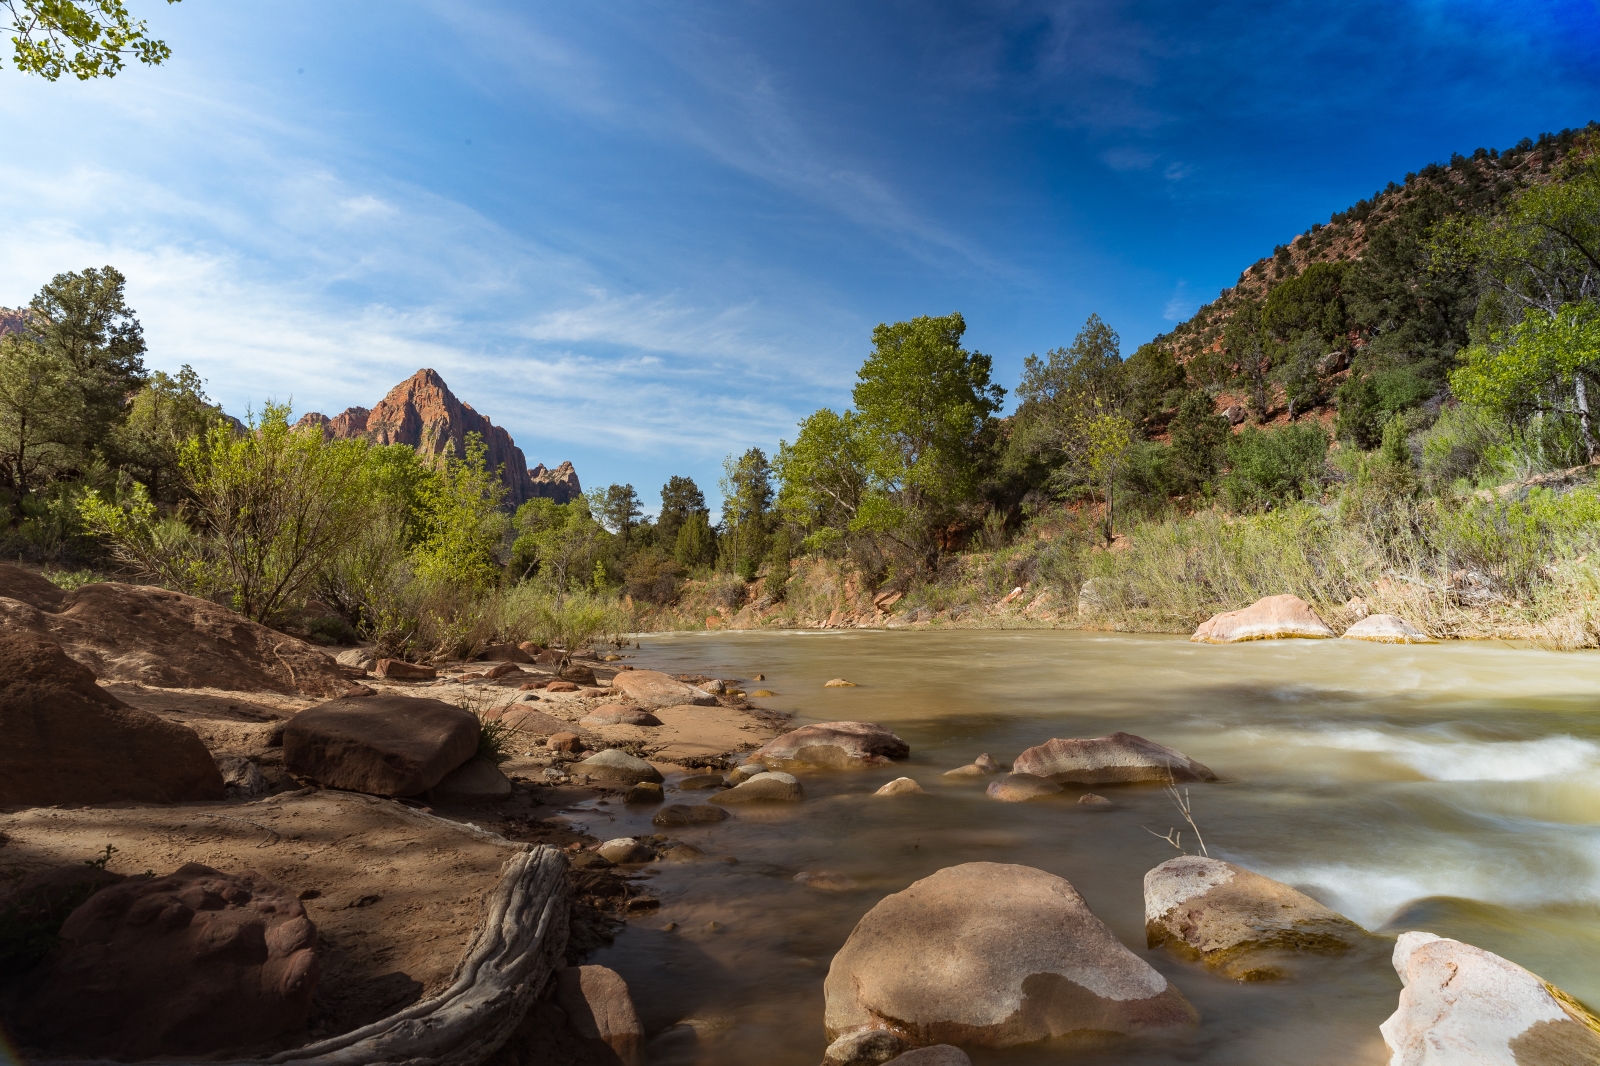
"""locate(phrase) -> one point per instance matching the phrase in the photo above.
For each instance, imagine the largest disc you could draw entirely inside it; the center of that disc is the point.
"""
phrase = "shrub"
(652, 576)
(1272, 467)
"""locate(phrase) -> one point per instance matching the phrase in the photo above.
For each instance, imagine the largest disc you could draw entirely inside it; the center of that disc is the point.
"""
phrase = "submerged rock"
(1115, 759)
(901, 786)
(826, 881)
(1019, 788)
(983, 766)
(1229, 917)
(601, 1013)
(689, 814)
(772, 785)
(833, 746)
(643, 792)
(869, 1047)
(937, 1055)
(1461, 1004)
(992, 955)
(1090, 801)
(185, 964)
(700, 782)
(1387, 629)
(625, 850)
(838, 682)
(1271, 618)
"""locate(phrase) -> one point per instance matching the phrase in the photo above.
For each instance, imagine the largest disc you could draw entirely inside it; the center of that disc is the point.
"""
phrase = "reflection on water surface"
(1453, 788)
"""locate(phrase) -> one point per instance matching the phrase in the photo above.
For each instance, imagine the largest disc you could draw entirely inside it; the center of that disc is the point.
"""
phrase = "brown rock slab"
(165, 639)
(578, 674)
(678, 814)
(501, 669)
(1234, 919)
(619, 714)
(1019, 788)
(561, 686)
(993, 955)
(833, 746)
(382, 745)
(65, 740)
(564, 742)
(1270, 618)
(400, 670)
(600, 1011)
(184, 964)
(1115, 759)
(651, 688)
(508, 653)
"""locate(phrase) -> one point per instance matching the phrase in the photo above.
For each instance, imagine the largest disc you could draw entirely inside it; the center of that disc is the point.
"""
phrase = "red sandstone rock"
(383, 745)
(501, 669)
(1269, 618)
(600, 1011)
(564, 742)
(561, 686)
(400, 670)
(1118, 758)
(423, 413)
(507, 653)
(186, 964)
(834, 746)
(65, 740)
(155, 637)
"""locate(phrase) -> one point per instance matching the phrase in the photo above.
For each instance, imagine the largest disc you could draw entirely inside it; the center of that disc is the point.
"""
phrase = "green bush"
(1268, 468)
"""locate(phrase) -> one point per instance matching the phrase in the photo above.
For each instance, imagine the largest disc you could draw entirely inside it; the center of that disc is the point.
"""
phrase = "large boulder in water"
(1271, 618)
(166, 639)
(382, 745)
(993, 955)
(832, 746)
(1461, 1004)
(651, 688)
(1387, 629)
(65, 740)
(1116, 759)
(1235, 920)
(186, 964)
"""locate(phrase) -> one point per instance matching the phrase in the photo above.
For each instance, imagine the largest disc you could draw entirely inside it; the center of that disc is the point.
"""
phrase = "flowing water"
(1453, 788)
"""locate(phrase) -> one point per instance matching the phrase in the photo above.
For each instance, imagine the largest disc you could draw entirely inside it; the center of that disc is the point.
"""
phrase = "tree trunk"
(1582, 390)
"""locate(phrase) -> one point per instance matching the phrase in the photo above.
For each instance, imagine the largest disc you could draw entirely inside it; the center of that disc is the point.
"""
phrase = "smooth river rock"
(383, 745)
(1463, 1006)
(1019, 788)
(675, 814)
(616, 767)
(983, 766)
(900, 786)
(833, 746)
(1229, 917)
(870, 1047)
(1117, 759)
(624, 850)
(651, 688)
(1387, 629)
(618, 714)
(937, 1055)
(992, 955)
(1272, 618)
(772, 785)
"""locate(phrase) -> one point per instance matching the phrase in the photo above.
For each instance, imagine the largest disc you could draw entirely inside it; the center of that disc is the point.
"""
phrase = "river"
(1453, 788)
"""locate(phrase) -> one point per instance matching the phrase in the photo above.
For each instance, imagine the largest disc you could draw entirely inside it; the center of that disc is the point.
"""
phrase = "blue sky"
(642, 235)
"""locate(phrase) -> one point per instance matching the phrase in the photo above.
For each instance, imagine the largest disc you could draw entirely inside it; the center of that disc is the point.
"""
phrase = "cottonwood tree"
(747, 496)
(41, 415)
(84, 38)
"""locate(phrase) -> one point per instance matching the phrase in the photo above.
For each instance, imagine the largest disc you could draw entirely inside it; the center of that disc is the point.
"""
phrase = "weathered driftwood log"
(517, 945)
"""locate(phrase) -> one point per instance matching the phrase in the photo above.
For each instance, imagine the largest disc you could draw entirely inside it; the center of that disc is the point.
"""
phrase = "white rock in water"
(1387, 629)
(1271, 618)
(1463, 1005)
(900, 786)
(993, 955)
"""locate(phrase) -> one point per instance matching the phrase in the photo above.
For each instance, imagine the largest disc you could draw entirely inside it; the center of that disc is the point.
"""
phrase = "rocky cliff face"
(423, 413)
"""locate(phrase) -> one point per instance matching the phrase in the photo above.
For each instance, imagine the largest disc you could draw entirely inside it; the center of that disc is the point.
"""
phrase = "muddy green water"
(1452, 788)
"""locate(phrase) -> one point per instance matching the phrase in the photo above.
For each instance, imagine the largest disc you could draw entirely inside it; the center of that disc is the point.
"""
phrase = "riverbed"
(1453, 788)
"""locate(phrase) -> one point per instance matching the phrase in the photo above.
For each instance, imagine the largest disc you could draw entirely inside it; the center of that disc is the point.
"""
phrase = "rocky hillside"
(422, 412)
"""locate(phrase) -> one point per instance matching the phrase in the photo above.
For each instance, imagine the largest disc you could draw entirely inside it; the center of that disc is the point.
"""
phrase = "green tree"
(1070, 388)
(680, 498)
(41, 414)
(1544, 364)
(746, 503)
(824, 477)
(1155, 383)
(83, 319)
(618, 507)
(1106, 440)
(1199, 440)
(84, 38)
(460, 523)
(167, 411)
(696, 542)
(923, 403)
(272, 505)
(557, 541)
